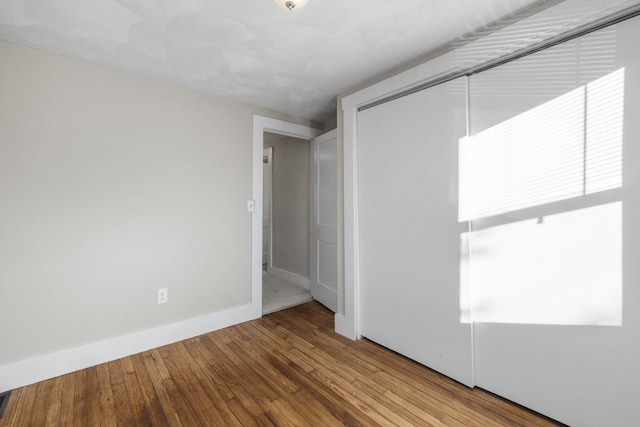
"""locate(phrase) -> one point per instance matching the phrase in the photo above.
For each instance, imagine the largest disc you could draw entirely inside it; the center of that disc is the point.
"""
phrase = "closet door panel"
(554, 245)
(409, 234)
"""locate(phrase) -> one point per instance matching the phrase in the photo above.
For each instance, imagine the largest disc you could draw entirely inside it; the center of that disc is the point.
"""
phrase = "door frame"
(261, 125)
(268, 154)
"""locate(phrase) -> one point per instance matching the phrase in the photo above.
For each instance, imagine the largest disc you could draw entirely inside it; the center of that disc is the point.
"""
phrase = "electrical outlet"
(163, 296)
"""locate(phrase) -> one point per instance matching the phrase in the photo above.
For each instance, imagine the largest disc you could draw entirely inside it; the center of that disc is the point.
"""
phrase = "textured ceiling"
(251, 50)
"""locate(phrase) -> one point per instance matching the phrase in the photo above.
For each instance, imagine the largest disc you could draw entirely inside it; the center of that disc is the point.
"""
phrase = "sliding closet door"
(552, 190)
(409, 235)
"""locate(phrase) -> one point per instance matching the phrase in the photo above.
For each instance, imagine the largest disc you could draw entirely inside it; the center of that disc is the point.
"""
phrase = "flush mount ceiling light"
(291, 4)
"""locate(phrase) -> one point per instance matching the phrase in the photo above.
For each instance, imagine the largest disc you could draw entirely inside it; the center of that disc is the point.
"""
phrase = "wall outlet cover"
(163, 296)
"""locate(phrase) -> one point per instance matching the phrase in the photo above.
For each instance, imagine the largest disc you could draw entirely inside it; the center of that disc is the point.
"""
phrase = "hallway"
(278, 294)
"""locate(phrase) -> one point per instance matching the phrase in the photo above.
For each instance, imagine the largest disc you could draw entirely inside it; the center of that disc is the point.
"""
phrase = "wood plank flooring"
(287, 369)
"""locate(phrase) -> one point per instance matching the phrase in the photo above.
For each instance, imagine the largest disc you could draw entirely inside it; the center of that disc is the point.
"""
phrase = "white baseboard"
(39, 368)
(290, 277)
(345, 327)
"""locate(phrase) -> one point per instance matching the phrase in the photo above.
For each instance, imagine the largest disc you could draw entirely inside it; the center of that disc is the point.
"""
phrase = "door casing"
(261, 125)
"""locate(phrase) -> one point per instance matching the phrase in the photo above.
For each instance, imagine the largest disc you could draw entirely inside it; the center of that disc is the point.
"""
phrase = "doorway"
(286, 201)
(264, 127)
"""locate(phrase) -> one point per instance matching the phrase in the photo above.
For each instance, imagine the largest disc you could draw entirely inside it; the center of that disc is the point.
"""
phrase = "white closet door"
(555, 242)
(409, 236)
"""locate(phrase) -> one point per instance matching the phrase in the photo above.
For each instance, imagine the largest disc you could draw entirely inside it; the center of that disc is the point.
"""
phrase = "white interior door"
(324, 220)
(267, 182)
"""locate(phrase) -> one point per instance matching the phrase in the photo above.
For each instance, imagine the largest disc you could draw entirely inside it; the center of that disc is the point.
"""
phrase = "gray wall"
(113, 186)
(291, 200)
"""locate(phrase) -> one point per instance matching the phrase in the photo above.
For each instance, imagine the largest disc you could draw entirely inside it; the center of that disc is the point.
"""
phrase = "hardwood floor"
(288, 368)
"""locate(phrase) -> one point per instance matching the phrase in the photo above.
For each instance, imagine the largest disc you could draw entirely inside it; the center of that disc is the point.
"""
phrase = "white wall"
(113, 186)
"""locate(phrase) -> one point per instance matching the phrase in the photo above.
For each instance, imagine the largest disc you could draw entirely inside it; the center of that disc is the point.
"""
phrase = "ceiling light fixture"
(291, 4)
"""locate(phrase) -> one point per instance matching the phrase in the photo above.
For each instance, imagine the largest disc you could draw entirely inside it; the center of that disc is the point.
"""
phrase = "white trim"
(344, 326)
(261, 125)
(51, 365)
(290, 277)
(348, 324)
(327, 136)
